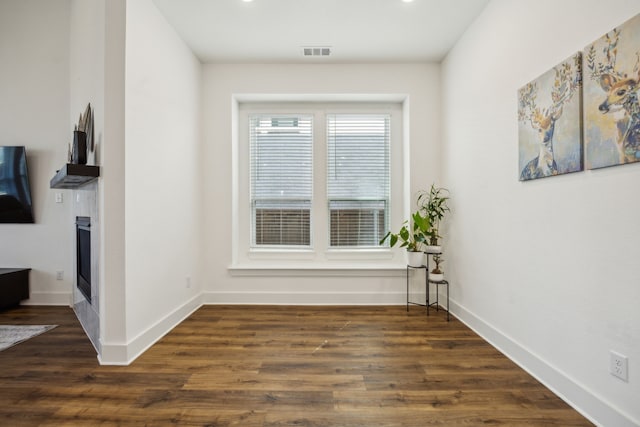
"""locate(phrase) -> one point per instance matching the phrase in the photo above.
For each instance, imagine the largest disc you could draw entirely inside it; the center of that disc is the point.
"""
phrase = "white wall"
(34, 112)
(163, 189)
(111, 188)
(86, 71)
(546, 269)
(86, 74)
(221, 82)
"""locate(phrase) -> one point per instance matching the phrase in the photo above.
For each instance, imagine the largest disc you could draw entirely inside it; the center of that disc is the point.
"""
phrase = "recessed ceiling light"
(406, 1)
(247, 1)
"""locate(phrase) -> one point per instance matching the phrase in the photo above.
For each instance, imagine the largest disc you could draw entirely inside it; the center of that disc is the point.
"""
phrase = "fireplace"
(83, 255)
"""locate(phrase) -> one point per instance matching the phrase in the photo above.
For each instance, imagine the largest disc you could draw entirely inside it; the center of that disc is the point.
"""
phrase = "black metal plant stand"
(438, 283)
(427, 285)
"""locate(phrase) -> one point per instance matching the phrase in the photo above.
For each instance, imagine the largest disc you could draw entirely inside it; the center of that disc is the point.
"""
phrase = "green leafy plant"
(434, 206)
(413, 236)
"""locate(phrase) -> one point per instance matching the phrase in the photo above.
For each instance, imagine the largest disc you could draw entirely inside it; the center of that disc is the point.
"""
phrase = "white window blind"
(281, 168)
(358, 178)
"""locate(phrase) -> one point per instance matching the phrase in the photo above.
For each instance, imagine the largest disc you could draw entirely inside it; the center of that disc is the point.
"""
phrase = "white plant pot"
(415, 259)
(434, 249)
(436, 277)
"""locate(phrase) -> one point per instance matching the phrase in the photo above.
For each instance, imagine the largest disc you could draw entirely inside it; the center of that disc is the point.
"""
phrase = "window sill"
(390, 270)
(340, 255)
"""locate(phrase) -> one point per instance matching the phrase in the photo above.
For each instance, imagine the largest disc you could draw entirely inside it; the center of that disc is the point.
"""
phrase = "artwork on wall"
(612, 113)
(549, 117)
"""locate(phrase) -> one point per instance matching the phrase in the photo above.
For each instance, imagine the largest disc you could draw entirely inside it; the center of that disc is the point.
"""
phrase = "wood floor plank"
(275, 366)
(277, 382)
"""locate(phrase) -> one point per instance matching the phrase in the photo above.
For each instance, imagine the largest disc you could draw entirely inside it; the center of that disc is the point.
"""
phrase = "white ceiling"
(356, 30)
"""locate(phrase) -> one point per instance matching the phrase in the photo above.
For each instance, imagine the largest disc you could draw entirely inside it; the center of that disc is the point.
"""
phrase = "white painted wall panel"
(163, 187)
(548, 267)
(221, 81)
(34, 112)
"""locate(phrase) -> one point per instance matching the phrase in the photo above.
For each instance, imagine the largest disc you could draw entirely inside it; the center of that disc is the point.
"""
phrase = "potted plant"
(436, 275)
(434, 206)
(413, 238)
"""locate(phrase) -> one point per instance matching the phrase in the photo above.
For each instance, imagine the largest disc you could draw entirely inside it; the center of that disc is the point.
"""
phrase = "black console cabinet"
(14, 286)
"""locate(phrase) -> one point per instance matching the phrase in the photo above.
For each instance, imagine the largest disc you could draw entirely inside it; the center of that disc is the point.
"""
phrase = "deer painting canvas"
(612, 82)
(549, 116)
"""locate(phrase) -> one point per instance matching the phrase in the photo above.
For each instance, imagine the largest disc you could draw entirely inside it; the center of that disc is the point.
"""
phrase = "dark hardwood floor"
(275, 366)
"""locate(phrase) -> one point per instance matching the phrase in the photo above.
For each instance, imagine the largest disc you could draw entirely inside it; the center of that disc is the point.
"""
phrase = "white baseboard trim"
(126, 353)
(48, 298)
(113, 354)
(581, 399)
(306, 298)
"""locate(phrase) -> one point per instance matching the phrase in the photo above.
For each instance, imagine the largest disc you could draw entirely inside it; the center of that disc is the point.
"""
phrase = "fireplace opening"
(83, 255)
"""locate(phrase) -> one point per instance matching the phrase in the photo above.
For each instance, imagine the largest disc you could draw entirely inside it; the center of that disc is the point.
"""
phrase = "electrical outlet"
(188, 282)
(619, 366)
(58, 197)
(59, 275)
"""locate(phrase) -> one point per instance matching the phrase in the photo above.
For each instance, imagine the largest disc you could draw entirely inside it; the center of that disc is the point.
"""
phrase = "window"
(357, 179)
(281, 150)
(317, 183)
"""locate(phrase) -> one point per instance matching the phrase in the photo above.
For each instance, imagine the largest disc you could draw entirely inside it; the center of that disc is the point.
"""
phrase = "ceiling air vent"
(316, 51)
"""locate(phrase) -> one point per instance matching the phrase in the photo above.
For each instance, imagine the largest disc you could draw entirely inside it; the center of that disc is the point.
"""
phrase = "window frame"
(321, 256)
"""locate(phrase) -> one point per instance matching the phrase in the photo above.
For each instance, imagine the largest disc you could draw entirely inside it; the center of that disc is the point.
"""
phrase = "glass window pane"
(357, 178)
(281, 149)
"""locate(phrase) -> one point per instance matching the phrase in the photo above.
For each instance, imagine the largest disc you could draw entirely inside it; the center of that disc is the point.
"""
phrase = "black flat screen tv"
(15, 193)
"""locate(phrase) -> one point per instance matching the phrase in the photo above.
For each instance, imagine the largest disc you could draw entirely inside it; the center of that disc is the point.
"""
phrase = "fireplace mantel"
(74, 176)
